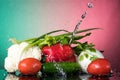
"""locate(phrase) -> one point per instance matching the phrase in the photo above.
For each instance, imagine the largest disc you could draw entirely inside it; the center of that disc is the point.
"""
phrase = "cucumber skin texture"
(68, 67)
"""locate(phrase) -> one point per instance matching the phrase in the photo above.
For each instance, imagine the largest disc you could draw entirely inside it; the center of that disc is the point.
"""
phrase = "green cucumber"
(67, 67)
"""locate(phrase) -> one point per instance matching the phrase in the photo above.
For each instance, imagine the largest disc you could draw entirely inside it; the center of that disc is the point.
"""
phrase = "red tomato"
(29, 66)
(99, 67)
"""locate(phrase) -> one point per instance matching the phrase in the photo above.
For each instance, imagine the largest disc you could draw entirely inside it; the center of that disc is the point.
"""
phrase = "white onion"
(84, 61)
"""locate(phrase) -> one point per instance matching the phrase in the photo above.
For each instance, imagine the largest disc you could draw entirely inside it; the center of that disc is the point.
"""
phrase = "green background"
(22, 19)
(17, 20)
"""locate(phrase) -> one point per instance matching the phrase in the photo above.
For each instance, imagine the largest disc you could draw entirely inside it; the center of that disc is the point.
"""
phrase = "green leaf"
(92, 49)
(93, 58)
(82, 47)
(77, 49)
(86, 55)
(62, 39)
(81, 57)
(48, 40)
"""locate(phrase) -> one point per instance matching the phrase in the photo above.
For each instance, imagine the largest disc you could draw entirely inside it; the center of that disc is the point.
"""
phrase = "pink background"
(106, 15)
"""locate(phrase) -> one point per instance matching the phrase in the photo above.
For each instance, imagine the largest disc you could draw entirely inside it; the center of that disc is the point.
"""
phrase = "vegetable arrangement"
(50, 54)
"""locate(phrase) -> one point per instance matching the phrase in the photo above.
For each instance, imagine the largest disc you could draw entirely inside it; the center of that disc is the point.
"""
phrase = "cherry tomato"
(99, 67)
(29, 66)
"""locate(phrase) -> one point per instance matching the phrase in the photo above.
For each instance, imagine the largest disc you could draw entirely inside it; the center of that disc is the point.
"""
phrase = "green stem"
(80, 37)
(28, 40)
(48, 34)
(14, 41)
(80, 31)
(32, 40)
(35, 41)
(32, 44)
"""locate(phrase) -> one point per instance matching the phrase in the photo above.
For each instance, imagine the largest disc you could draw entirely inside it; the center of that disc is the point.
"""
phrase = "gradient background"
(22, 19)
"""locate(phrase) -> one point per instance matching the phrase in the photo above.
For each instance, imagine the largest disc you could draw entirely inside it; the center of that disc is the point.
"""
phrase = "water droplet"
(90, 5)
(84, 15)
(61, 71)
(75, 30)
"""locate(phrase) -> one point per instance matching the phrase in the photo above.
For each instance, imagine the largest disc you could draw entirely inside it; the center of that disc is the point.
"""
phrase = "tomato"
(99, 67)
(29, 66)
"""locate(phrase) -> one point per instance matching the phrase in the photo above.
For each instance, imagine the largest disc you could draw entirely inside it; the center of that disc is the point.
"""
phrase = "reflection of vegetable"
(99, 78)
(86, 57)
(22, 77)
(59, 53)
(29, 78)
(11, 77)
(99, 67)
(16, 53)
(29, 66)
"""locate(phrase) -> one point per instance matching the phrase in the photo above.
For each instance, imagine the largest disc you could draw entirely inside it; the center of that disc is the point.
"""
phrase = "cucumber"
(67, 67)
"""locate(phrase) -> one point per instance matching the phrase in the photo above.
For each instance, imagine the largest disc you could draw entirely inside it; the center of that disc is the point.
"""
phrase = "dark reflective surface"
(5, 76)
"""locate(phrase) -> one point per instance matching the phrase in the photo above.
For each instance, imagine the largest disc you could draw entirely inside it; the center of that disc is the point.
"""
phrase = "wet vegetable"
(86, 57)
(67, 67)
(99, 67)
(28, 78)
(29, 66)
(56, 48)
(59, 53)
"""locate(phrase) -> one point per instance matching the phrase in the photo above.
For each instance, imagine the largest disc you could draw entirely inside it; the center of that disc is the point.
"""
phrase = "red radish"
(29, 66)
(72, 59)
(99, 67)
(58, 53)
